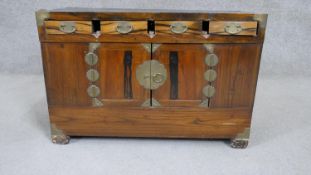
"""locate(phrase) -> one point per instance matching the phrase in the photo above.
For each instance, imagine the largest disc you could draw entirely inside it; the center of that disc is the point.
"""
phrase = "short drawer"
(68, 27)
(124, 27)
(233, 28)
(178, 27)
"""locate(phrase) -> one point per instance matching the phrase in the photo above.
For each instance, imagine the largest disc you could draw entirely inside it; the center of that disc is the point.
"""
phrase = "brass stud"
(93, 91)
(211, 59)
(92, 75)
(209, 91)
(91, 58)
(210, 75)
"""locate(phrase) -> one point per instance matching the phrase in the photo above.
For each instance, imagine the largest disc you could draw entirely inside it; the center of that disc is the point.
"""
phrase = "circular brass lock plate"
(67, 27)
(178, 27)
(93, 91)
(91, 58)
(124, 27)
(151, 74)
(209, 91)
(211, 59)
(92, 75)
(233, 28)
(210, 75)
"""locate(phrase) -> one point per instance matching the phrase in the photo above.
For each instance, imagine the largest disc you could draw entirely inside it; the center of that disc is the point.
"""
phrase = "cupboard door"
(94, 74)
(207, 75)
(117, 67)
(185, 67)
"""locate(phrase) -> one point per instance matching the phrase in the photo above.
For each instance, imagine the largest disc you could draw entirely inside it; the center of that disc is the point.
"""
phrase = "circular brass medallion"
(91, 58)
(92, 75)
(151, 74)
(209, 91)
(210, 75)
(211, 59)
(93, 91)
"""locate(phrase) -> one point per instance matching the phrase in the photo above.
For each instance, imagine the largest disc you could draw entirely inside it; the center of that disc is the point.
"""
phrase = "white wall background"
(286, 51)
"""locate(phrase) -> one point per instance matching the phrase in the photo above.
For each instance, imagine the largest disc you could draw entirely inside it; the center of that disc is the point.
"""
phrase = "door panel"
(117, 68)
(185, 74)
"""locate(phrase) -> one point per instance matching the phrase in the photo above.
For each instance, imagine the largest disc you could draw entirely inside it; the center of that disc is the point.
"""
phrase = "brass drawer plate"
(248, 28)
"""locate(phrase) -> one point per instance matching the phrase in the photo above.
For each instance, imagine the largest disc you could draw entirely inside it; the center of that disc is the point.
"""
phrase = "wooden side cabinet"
(151, 74)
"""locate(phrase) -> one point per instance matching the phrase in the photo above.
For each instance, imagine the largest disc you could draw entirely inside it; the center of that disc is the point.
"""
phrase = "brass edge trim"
(93, 47)
(243, 135)
(96, 102)
(41, 16)
(209, 47)
(147, 46)
(155, 47)
(147, 103)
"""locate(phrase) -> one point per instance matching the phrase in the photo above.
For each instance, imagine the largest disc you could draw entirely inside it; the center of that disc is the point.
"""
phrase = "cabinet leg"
(241, 140)
(58, 136)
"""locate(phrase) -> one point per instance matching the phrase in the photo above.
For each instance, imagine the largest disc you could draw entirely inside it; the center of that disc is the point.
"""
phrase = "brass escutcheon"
(124, 27)
(67, 27)
(91, 58)
(178, 27)
(233, 28)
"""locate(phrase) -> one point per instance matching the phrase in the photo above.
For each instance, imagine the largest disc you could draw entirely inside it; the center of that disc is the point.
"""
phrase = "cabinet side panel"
(237, 73)
(65, 77)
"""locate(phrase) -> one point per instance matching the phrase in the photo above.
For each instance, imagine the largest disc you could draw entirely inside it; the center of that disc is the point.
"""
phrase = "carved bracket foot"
(60, 139)
(241, 140)
(241, 144)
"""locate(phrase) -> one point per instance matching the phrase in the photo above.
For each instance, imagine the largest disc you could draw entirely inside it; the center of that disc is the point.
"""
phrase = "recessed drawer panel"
(233, 28)
(68, 27)
(124, 27)
(178, 27)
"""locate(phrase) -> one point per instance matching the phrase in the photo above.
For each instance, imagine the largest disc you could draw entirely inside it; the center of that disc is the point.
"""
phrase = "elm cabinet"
(150, 74)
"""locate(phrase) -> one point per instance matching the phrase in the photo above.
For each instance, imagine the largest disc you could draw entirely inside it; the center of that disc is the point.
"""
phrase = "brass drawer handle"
(124, 27)
(67, 27)
(178, 27)
(233, 28)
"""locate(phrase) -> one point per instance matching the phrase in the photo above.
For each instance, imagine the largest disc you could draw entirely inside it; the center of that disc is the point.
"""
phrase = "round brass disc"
(93, 91)
(211, 59)
(124, 27)
(210, 75)
(91, 58)
(209, 91)
(92, 75)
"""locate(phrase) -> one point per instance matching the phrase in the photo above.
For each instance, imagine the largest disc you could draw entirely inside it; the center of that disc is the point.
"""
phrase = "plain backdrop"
(281, 126)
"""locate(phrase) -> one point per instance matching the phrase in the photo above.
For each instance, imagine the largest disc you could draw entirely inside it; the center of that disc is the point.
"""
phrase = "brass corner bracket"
(41, 15)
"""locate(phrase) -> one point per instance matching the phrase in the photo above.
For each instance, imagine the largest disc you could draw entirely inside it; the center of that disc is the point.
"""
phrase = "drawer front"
(124, 27)
(178, 27)
(68, 27)
(233, 28)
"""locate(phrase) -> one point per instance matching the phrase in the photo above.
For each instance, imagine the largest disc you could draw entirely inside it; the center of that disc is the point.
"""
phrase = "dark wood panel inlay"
(128, 74)
(174, 75)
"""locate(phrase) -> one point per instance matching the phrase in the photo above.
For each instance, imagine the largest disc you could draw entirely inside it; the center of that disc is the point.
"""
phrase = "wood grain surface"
(151, 122)
(82, 27)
